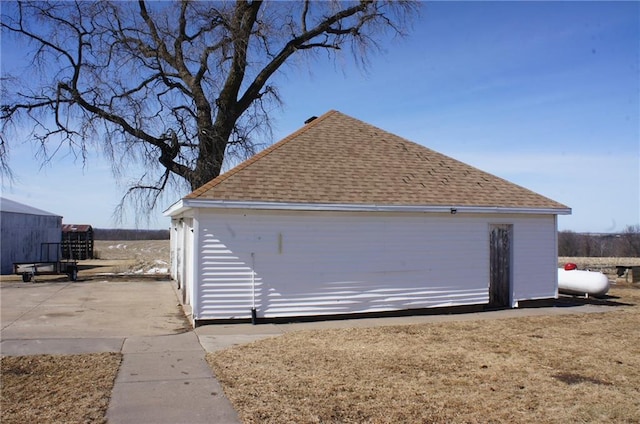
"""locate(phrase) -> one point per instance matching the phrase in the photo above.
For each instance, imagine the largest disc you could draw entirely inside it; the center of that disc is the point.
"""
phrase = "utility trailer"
(49, 264)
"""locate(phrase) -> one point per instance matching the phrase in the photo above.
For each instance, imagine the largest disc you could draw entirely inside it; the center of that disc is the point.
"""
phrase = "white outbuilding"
(24, 232)
(342, 217)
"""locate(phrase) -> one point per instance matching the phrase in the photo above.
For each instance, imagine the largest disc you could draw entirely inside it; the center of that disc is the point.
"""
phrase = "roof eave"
(177, 208)
(185, 204)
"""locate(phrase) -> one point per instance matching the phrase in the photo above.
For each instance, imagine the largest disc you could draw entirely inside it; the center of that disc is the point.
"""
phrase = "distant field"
(130, 249)
(132, 256)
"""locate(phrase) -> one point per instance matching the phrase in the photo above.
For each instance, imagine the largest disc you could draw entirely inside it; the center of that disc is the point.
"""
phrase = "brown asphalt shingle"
(339, 159)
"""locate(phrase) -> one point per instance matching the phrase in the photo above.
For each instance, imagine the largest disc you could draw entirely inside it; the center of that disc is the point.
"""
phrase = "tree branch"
(291, 47)
(174, 88)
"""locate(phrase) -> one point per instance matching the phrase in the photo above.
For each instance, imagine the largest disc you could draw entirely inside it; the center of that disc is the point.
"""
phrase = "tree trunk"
(209, 163)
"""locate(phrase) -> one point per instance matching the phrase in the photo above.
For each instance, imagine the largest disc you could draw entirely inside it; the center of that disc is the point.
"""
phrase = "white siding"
(180, 253)
(183, 261)
(175, 249)
(318, 263)
(189, 263)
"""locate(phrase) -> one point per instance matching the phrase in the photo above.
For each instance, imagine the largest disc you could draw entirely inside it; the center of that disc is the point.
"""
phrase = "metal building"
(23, 229)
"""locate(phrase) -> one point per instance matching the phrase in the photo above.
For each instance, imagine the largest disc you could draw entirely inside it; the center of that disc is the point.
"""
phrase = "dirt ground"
(113, 259)
(549, 369)
(142, 257)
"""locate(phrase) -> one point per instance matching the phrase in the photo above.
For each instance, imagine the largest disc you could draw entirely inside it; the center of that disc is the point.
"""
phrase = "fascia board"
(176, 208)
(232, 204)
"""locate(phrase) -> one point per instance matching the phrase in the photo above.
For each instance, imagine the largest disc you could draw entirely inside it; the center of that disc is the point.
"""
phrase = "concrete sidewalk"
(163, 377)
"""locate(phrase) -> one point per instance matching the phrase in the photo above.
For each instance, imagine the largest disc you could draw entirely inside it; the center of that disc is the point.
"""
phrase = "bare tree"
(568, 243)
(631, 241)
(170, 88)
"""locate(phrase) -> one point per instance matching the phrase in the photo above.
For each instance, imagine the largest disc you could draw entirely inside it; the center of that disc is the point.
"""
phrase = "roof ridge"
(222, 177)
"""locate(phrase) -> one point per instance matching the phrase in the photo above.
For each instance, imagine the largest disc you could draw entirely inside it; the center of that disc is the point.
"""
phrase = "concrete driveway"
(163, 377)
(94, 316)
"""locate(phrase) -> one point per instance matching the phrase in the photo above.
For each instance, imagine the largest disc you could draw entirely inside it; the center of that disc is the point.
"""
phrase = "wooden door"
(500, 237)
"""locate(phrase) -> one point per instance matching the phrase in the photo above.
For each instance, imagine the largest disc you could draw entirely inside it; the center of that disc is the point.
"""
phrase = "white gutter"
(186, 204)
(175, 209)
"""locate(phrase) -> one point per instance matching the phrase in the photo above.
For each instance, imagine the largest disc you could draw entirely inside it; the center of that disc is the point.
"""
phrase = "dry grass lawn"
(57, 388)
(547, 369)
(553, 369)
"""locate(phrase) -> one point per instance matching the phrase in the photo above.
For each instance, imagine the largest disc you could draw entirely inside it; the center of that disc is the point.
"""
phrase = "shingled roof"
(337, 159)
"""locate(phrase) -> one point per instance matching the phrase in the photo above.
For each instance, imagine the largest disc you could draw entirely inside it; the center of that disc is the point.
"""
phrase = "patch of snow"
(118, 246)
(157, 270)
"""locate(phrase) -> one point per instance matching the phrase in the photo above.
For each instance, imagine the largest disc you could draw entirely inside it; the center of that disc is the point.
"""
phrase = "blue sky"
(543, 94)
